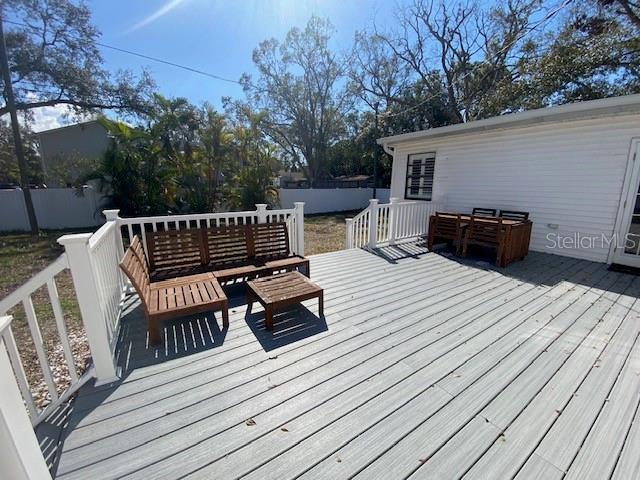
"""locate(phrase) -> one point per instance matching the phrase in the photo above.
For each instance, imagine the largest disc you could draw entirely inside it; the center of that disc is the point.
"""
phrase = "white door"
(627, 243)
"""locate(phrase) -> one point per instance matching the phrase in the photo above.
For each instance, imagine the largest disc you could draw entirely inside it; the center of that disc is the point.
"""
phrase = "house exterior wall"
(85, 140)
(568, 175)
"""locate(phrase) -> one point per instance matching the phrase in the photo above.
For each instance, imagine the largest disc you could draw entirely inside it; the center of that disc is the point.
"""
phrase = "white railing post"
(299, 216)
(393, 205)
(373, 223)
(112, 216)
(84, 281)
(261, 210)
(21, 457)
(349, 239)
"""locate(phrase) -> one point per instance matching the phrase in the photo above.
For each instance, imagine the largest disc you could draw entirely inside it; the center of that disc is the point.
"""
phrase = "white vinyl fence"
(386, 224)
(59, 208)
(328, 200)
(56, 208)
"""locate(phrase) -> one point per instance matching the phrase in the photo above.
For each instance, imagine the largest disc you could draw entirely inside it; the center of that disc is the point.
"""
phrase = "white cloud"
(163, 10)
(46, 118)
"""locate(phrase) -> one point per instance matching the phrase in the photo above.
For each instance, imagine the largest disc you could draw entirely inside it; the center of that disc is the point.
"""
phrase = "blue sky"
(217, 36)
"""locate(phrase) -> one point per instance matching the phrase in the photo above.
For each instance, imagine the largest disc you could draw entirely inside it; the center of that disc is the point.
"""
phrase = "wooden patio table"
(282, 290)
(517, 236)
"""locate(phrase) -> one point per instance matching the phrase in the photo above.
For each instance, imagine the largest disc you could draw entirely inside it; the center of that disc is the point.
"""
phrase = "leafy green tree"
(255, 161)
(9, 172)
(54, 60)
(595, 54)
(134, 175)
(300, 88)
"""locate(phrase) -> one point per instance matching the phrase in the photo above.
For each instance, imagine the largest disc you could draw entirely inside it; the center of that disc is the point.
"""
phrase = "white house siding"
(568, 174)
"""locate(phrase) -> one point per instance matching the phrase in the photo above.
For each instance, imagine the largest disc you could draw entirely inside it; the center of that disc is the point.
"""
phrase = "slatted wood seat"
(486, 232)
(487, 212)
(174, 297)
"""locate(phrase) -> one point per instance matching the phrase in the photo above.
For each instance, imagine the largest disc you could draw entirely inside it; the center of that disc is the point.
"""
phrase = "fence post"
(349, 239)
(261, 209)
(373, 223)
(21, 457)
(77, 249)
(393, 204)
(299, 214)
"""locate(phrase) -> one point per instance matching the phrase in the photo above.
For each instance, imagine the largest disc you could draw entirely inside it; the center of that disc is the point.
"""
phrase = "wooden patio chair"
(446, 226)
(487, 212)
(485, 232)
(514, 215)
(174, 297)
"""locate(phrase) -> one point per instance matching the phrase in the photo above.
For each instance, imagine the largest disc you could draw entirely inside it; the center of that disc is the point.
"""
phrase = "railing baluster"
(143, 235)
(62, 329)
(130, 232)
(21, 376)
(36, 335)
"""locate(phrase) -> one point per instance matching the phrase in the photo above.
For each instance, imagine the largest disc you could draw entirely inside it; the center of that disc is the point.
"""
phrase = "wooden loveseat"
(235, 252)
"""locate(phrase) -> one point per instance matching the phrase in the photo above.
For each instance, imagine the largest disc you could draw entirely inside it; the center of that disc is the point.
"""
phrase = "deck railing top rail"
(294, 217)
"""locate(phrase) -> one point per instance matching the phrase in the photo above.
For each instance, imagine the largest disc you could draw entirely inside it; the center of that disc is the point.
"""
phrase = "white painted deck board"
(414, 350)
(431, 433)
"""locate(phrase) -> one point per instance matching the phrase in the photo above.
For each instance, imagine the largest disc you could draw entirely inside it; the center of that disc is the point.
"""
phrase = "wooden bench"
(229, 252)
(174, 297)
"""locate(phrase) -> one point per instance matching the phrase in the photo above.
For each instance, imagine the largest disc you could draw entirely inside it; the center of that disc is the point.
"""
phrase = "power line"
(167, 62)
(148, 57)
(546, 18)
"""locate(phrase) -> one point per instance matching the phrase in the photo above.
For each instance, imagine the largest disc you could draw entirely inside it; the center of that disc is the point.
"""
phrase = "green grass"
(325, 233)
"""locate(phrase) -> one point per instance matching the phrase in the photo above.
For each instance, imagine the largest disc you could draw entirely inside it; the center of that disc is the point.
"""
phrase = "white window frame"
(427, 162)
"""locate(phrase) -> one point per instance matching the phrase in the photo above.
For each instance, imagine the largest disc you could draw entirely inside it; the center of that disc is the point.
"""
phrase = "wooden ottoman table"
(282, 290)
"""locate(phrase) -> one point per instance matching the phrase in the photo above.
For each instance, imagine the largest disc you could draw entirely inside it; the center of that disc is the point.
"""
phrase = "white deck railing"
(294, 217)
(386, 224)
(23, 296)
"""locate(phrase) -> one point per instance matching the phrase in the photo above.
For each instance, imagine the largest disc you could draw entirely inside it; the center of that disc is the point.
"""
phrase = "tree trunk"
(15, 126)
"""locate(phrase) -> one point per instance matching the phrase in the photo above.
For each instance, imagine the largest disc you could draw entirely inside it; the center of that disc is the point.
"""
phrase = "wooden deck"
(424, 367)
